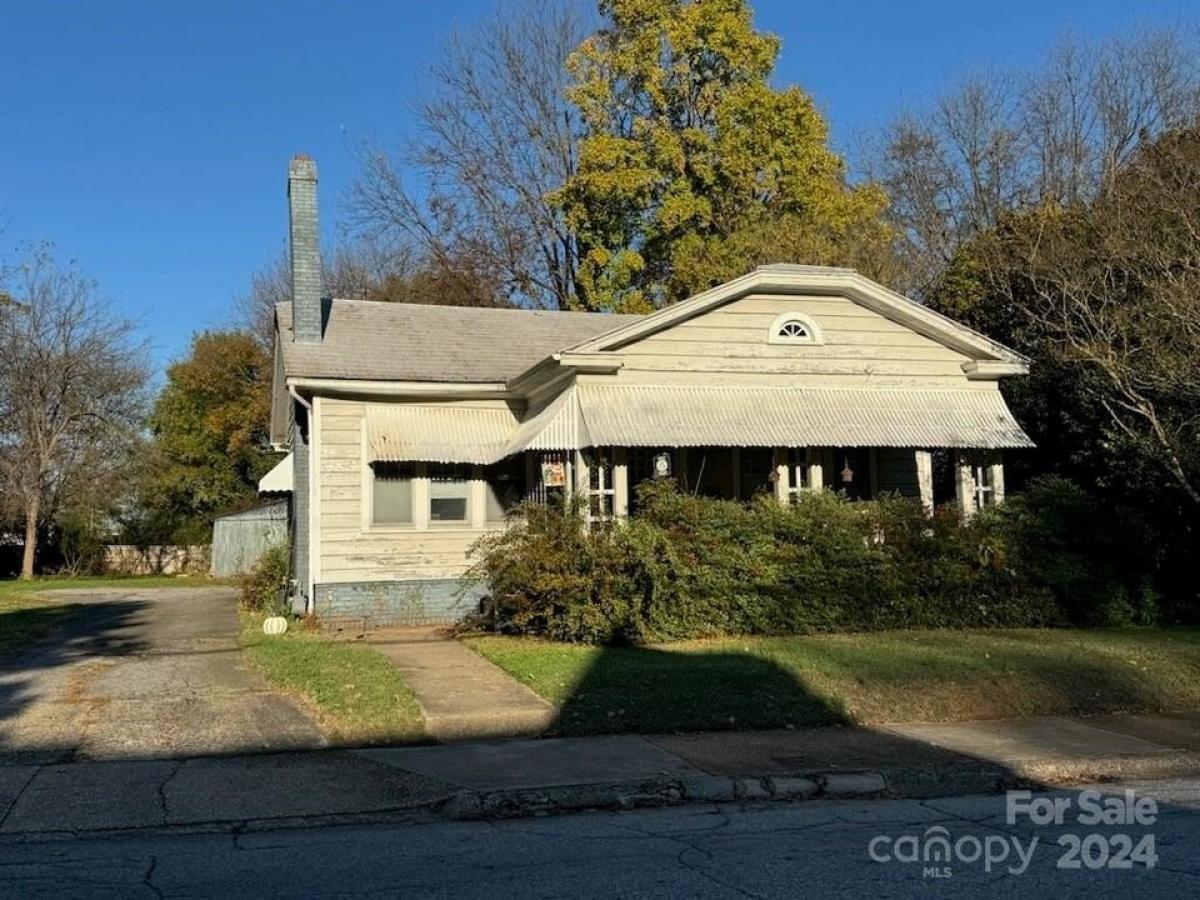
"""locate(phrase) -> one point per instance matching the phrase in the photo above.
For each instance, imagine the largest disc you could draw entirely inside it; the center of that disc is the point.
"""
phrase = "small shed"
(240, 539)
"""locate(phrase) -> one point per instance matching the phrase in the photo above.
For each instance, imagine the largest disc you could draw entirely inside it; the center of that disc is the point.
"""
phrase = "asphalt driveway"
(154, 673)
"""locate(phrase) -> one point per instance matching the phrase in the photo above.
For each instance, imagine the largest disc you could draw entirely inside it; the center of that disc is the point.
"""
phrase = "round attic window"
(794, 328)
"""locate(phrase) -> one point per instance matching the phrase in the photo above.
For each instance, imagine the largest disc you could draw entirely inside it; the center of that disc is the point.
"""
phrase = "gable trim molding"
(815, 280)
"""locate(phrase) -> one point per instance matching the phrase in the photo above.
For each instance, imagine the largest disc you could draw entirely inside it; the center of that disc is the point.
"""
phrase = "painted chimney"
(307, 284)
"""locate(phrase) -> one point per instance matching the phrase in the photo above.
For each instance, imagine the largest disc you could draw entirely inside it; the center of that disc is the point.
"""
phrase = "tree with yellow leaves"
(692, 169)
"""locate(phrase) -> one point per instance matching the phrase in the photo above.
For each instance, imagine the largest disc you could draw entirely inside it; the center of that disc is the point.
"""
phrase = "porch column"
(783, 477)
(477, 507)
(996, 476)
(620, 474)
(964, 483)
(420, 495)
(925, 478)
(533, 478)
(816, 469)
(582, 482)
(735, 458)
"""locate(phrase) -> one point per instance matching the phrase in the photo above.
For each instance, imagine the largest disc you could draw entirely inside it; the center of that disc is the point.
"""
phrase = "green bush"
(694, 567)
(1063, 541)
(264, 589)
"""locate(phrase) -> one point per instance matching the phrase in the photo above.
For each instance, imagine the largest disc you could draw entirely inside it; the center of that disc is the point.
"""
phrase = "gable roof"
(416, 342)
(782, 278)
(375, 341)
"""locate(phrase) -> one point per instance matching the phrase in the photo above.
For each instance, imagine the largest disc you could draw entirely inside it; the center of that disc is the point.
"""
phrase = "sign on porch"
(554, 473)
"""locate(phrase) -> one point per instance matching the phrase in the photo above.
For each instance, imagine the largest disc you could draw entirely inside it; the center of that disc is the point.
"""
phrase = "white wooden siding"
(350, 551)
(730, 344)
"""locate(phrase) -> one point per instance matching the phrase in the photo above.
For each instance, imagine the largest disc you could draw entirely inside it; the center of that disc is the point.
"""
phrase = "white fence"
(156, 559)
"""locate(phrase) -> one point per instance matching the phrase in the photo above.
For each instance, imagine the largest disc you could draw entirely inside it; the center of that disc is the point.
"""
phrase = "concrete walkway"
(462, 695)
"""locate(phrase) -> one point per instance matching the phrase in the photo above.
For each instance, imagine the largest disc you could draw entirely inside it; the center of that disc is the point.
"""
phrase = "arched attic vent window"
(794, 328)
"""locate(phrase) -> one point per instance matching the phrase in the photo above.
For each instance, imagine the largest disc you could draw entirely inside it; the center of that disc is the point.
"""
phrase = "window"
(794, 328)
(984, 470)
(797, 462)
(449, 492)
(505, 487)
(600, 483)
(392, 493)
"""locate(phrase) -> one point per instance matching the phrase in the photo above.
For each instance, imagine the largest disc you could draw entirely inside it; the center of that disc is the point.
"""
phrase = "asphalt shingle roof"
(417, 342)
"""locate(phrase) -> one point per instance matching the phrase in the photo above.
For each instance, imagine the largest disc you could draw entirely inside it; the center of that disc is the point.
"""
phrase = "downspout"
(309, 598)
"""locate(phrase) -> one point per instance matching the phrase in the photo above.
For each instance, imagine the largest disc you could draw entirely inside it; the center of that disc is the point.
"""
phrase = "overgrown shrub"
(692, 567)
(1063, 541)
(264, 589)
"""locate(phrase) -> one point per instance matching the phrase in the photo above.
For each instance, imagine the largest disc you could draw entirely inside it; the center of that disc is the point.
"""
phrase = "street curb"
(894, 782)
(469, 805)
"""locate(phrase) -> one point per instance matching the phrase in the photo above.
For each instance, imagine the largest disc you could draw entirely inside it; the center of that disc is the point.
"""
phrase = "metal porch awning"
(430, 433)
(556, 424)
(687, 416)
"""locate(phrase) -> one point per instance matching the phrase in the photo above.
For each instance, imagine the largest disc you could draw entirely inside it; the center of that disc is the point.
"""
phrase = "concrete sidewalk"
(463, 696)
(525, 777)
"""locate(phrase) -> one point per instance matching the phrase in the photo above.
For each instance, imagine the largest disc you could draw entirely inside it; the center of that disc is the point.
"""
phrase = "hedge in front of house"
(694, 567)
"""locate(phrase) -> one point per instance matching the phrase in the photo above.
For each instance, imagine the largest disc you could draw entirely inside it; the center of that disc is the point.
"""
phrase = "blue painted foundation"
(375, 604)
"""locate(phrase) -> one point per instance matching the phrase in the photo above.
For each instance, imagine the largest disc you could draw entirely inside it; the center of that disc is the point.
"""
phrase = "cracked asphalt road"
(143, 674)
(815, 849)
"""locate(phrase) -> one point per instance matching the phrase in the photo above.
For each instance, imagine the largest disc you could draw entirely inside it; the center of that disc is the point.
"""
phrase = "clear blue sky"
(149, 140)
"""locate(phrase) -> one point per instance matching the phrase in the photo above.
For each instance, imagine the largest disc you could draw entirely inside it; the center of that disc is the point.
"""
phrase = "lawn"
(907, 676)
(356, 693)
(26, 614)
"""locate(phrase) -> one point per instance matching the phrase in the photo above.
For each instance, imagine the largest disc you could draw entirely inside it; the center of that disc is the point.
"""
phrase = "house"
(413, 429)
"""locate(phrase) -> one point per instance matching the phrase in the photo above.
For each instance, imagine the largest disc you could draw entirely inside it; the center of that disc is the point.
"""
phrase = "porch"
(609, 476)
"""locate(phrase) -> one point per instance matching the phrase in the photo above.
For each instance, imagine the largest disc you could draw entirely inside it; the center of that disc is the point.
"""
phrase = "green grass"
(357, 694)
(26, 615)
(907, 676)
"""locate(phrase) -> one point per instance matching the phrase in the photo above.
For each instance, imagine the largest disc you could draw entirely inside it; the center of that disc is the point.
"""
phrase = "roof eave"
(990, 370)
(558, 365)
(392, 388)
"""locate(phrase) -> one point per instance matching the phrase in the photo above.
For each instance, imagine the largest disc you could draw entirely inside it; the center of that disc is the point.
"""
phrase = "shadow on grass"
(641, 689)
(20, 627)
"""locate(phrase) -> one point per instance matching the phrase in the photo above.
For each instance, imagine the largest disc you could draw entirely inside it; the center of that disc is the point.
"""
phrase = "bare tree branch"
(72, 387)
(497, 137)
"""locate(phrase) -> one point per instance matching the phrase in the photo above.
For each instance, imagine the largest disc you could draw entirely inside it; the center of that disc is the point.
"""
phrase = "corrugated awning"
(279, 479)
(460, 433)
(554, 425)
(685, 416)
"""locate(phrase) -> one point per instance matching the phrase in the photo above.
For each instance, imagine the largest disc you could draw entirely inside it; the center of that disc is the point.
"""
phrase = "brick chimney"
(308, 286)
